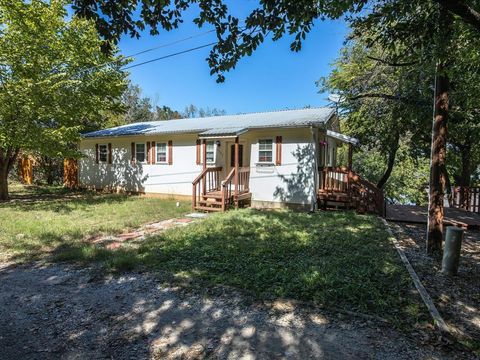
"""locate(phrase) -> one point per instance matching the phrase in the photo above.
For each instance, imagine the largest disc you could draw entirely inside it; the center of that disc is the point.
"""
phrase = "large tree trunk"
(439, 138)
(7, 159)
(437, 165)
(390, 163)
(3, 181)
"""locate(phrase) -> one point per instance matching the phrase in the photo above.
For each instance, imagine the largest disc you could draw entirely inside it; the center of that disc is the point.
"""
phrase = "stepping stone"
(197, 215)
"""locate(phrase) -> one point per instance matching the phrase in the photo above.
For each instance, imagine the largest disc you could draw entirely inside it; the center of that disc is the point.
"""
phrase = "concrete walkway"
(115, 241)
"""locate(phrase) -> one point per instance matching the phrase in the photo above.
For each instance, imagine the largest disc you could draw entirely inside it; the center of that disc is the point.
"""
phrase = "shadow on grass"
(57, 199)
(335, 259)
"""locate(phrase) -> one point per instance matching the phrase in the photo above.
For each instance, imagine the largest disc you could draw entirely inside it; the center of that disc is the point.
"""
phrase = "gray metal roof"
(234, 131)
(342, 137)
(243, 122)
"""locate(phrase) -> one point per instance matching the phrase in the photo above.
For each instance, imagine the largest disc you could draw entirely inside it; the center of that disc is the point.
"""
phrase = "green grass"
(340, 260)
(39, 220)
(335, 259)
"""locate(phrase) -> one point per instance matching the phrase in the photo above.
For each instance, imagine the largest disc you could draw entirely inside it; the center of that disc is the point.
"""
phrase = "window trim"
(144, 151)
(157, 143)
(272, 150)
(214, 161)
(100, 154)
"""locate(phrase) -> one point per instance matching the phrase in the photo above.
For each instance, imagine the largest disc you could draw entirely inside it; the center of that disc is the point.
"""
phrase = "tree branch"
(459, 8)
(376, 95)
(395, 64)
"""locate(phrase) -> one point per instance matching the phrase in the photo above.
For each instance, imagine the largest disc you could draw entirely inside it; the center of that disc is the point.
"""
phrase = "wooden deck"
(418, 214)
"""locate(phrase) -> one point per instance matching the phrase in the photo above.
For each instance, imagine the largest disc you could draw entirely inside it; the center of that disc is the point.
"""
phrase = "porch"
(341, 187)
(219, 188)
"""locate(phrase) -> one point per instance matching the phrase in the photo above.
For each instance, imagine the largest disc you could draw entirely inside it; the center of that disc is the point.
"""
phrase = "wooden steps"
(341, 187)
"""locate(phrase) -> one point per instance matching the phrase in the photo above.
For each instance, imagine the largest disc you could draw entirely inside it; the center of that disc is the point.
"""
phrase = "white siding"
(156, 178)
(290, 182)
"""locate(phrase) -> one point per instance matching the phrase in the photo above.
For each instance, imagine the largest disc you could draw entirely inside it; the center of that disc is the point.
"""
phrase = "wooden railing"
(207, 181)
(371, 197)
(367, 196)
(334, 179)
(228, 185)
(227, 189)
(467, 198)
(243, 180)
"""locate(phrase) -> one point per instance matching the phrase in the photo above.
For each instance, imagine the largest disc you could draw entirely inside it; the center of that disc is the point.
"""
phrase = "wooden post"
(236, 172)
(204, 155)
(350, 156)
(204, 184)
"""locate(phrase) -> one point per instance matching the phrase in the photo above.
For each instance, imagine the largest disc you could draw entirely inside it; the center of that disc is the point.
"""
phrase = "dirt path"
(457, 298)
(56, 311)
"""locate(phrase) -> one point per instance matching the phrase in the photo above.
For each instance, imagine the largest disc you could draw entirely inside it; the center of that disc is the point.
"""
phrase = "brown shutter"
(278, 146)
(133, 153)
(170, 152)
(96, 153)
(154, 153)
(109, 153)
(148, 153)
(199, 151)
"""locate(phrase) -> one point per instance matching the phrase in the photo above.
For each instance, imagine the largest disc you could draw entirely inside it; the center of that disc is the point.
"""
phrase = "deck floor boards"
(418, 214)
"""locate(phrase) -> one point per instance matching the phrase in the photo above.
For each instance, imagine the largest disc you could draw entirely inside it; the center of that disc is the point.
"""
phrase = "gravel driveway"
(58, 311)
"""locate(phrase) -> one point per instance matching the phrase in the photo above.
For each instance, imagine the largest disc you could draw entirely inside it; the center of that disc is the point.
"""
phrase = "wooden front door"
(232, 155)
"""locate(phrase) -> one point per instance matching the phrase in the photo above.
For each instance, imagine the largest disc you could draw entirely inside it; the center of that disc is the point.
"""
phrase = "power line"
(170, 55)
(149, 50)
(171, 43)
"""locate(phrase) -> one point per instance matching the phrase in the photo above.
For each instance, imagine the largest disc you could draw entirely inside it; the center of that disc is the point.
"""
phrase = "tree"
(136, 107)
(382, 103)
(166, 113)
(52, 81)
(192, 111)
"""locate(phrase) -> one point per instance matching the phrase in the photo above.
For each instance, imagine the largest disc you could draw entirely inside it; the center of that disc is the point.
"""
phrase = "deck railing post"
(236, 172)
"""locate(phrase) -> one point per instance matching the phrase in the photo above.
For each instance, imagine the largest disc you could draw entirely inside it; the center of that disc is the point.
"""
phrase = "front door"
(232, 155)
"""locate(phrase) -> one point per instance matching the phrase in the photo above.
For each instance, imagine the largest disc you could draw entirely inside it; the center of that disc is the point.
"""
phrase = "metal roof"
(244, 122)
(342, 137)
(225, 132)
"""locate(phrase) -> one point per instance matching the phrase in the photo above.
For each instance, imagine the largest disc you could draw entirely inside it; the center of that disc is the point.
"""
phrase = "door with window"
(231, 156)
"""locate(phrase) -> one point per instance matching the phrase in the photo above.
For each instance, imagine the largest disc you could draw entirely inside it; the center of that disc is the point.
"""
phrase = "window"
(140, 152)
(210, 152)
(102, 153)
(265, 150)
(161, 152)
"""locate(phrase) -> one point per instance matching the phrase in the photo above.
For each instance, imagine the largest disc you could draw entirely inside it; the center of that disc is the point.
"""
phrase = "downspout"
(314, 205)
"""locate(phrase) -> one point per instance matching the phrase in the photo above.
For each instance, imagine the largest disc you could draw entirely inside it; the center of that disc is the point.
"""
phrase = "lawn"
(339, 260)
(39, 220)
(336, 259)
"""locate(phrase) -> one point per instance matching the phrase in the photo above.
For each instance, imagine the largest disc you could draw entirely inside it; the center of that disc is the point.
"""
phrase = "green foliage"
(408, 182)
(191, 111)
(53, 83)
(138, 108)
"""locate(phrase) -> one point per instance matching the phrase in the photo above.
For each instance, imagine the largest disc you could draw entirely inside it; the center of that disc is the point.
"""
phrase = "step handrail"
(202, 178)
(227, 189)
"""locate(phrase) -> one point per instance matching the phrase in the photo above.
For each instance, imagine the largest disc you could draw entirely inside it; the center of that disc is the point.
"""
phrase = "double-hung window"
(103, 153)
(210, 152)
(161, 153)
(140, 152)
(265, 151)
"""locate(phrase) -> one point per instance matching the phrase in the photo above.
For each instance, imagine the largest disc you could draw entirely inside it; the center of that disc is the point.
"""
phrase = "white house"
(269, 159)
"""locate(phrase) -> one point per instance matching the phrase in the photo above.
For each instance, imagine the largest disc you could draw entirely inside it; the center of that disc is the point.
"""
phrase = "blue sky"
(272, 78)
